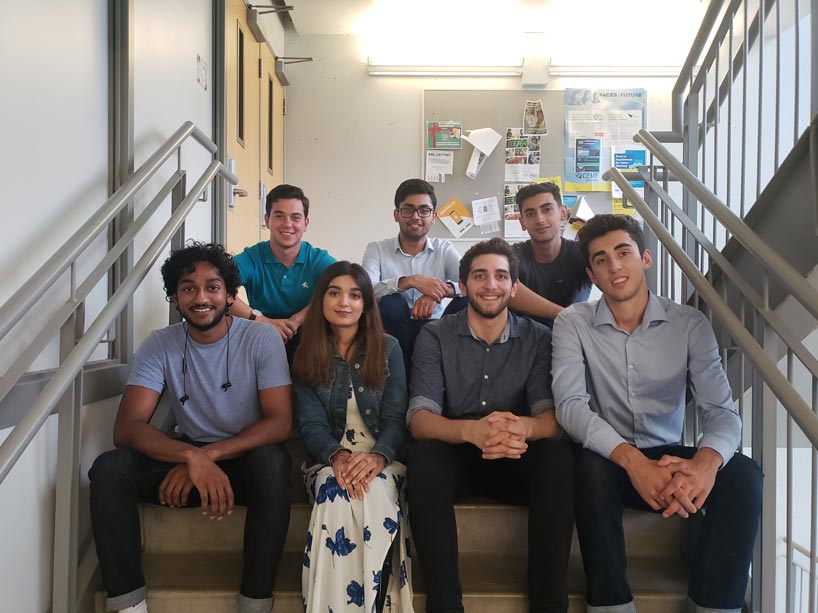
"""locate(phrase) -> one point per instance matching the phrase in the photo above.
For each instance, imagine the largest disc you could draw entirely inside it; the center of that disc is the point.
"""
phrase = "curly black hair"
(183, 261)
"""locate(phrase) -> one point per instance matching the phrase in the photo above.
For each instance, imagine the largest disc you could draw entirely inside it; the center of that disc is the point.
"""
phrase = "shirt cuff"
(541, 406)
(723, 447)
(605, 442)
(418, 403)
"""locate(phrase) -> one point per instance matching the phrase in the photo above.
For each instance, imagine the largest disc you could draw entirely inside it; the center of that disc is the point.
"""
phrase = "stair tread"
(481, 573)
(482, 527)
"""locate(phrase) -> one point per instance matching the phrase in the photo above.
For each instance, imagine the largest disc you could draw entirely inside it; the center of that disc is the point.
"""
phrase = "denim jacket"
(322, 409)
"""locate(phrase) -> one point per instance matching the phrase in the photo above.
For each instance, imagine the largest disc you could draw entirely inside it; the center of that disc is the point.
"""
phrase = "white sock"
(140, 607)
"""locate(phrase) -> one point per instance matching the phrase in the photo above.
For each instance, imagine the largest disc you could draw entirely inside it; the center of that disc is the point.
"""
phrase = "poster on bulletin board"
(596, 121)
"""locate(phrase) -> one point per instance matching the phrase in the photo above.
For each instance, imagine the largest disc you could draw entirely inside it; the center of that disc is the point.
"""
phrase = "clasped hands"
(209, 480)
(499, 435)
(355, 470)
(675, 485)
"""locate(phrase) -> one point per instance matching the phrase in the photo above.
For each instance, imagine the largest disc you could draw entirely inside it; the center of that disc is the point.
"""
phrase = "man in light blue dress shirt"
(413, 273)
(621, 368)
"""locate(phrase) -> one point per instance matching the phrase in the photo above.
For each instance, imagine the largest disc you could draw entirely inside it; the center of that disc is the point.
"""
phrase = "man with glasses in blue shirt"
(413, 273)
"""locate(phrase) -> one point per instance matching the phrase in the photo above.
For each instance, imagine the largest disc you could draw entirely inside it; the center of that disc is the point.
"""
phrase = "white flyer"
(485, 210)
(438, 165)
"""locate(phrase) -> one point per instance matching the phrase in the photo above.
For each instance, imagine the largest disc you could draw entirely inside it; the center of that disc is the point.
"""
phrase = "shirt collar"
(396, 246)
(654, 312)
(269, 258)
(464, 329)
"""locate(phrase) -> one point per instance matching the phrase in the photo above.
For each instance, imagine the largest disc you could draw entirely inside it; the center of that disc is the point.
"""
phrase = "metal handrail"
(13, 447)
(686, 74)
(789, 277)
(809, 361)
(13, 310)
(786, 393)
(39, 342)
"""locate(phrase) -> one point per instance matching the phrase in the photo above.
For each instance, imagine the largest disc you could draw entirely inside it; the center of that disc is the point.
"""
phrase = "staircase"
(193, 564)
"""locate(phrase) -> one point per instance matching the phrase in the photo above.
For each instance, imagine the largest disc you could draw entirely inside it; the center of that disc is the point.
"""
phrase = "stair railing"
(754, 337)
(746, 93)
(64, 390)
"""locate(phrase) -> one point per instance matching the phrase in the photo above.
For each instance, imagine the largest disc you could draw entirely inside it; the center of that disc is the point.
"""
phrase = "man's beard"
(217, 319)
(477, 309)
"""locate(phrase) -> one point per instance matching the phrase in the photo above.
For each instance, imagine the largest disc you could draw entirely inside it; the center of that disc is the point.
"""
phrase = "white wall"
(351, 139)
(54, 167)
(53, 130)
(167, 38)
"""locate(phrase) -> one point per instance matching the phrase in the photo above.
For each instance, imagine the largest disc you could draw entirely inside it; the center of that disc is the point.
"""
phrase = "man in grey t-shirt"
(229, 388)
(550, 266)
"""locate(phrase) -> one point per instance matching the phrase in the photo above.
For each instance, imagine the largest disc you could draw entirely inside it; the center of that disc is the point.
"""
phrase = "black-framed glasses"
(407, 212)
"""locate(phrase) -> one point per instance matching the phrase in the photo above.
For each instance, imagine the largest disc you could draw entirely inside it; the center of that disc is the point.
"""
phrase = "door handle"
(237, 191)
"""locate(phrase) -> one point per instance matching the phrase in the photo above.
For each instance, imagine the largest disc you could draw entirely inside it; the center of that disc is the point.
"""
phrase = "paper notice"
(456, 217)
(438, 165)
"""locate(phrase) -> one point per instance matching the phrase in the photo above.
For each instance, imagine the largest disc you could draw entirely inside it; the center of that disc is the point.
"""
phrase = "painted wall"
(54, 164)
(168, 36)
(351, 138)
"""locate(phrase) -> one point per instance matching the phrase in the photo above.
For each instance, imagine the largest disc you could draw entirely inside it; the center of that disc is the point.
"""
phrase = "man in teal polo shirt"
(279, 274)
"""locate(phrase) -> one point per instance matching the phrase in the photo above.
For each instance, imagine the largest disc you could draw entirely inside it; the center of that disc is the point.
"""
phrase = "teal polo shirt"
(274, 289)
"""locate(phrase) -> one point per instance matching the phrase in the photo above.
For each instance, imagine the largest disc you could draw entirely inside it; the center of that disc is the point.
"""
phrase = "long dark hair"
(311, 364)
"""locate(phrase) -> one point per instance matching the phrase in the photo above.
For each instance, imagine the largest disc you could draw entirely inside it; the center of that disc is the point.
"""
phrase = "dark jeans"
(723, 549)
(122, 478)
(396, 317)
(542, 478)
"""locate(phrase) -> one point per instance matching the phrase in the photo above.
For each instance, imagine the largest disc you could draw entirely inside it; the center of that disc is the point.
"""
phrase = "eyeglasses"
(407, 212)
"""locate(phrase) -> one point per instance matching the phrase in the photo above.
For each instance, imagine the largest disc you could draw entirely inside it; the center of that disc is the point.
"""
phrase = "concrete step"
(482, 528)
(193, 582)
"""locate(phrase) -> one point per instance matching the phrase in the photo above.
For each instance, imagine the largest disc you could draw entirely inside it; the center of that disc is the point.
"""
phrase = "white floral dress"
(348, 540)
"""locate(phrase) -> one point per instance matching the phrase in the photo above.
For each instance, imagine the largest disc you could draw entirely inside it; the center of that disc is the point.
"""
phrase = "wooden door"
(242, 227)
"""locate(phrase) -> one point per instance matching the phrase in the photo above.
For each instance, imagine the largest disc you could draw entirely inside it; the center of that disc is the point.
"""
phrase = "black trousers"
(723, 549)
(439, 472)
(122, 478)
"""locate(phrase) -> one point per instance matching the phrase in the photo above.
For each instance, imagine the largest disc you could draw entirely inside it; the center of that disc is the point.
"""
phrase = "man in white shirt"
(413, 273)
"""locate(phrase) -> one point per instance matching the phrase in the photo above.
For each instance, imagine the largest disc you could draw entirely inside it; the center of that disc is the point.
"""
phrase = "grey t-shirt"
(257, 361)
(563, 281)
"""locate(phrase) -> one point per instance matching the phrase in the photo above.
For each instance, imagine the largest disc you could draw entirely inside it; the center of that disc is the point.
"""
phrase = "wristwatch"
(255, 314)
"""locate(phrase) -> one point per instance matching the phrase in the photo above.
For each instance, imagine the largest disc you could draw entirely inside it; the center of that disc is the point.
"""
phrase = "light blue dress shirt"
(386, 263)
(611, 387)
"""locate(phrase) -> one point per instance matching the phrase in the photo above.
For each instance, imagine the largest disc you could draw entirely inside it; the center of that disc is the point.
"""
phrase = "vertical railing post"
(690, 153)
(765, 434)
(813, 34)
(177, 242)
(66, 506)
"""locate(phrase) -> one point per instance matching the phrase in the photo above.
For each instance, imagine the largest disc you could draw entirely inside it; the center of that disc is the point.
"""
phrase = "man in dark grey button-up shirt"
(482, 415)
(621, 369)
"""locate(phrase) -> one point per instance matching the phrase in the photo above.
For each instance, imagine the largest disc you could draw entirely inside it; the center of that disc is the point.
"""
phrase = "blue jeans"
(396, 317)
(440, 472)
(723, 548)
(122, 478)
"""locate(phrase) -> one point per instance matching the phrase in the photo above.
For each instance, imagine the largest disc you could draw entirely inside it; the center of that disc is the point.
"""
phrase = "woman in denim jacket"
(351, 385)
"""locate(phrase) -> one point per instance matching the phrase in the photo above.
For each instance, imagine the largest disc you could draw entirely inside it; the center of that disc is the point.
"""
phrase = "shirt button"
(361, 389)
(630, 365)
(483, 403)
(485, 376)
(357, 366)
(367, 412)
(488, 349)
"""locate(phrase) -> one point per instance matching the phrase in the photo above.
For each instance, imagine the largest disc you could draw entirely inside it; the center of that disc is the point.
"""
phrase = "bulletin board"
(500, 110)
